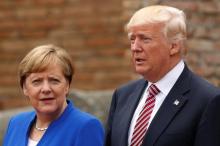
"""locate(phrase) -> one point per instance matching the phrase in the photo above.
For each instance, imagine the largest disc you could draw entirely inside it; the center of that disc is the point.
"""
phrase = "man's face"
(150, 51)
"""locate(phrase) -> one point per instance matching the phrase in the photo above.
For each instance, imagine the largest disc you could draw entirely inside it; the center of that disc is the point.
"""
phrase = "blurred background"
(92, 31)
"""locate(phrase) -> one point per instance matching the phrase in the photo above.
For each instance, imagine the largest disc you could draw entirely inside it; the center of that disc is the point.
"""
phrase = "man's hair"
(172, 18)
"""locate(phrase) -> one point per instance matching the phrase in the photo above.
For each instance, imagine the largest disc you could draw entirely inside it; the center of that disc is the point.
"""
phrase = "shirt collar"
(169, 79)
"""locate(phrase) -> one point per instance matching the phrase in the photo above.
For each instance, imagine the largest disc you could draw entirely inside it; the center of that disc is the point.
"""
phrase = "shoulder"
(203, 86)
(201, 92)
(88, 130)
(133, 83)
(88, 120)
(196, 84)
(21, 117)
(82, 117)
(130, 86)
(78, 117)
(18, 127)
(87, 127)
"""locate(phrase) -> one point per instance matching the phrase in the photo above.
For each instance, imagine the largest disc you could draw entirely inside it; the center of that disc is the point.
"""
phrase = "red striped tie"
(144, 117)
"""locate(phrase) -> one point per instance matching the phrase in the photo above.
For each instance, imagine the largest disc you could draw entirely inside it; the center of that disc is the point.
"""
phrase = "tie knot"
(153, 90)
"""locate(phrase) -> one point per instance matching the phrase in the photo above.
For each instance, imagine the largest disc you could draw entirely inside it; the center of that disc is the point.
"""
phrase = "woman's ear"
(67, 89)
(24, 88)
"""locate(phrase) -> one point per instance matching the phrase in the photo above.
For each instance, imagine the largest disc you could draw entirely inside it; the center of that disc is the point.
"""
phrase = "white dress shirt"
(32, 142)
(164, 85)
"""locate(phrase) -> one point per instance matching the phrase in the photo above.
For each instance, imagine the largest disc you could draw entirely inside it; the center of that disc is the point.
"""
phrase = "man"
(170, 106)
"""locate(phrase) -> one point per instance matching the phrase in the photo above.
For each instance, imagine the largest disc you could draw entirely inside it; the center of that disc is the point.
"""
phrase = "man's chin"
(140, 71)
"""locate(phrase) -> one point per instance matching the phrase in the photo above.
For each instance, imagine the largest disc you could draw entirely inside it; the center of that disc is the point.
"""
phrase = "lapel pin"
(176, 102)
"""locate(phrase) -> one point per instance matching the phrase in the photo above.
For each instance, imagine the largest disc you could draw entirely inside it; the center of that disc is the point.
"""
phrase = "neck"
(43, 120)
(40, 128)
(156, 77)
(41, 125)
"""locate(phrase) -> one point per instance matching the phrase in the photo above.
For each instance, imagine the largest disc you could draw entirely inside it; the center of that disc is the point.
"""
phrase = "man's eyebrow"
(130, 34)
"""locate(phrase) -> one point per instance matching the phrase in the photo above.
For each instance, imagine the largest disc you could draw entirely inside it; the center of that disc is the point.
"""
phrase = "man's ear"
(175, 48)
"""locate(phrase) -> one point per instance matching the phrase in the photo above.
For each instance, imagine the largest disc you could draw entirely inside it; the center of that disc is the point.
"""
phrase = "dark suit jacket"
(184, 124)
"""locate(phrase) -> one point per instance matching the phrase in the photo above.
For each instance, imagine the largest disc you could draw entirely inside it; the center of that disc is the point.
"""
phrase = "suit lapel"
(173, 103)
(132, 102)
(28, 122)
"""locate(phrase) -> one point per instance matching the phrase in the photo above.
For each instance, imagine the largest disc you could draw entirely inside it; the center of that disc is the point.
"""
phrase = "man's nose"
(135, 45)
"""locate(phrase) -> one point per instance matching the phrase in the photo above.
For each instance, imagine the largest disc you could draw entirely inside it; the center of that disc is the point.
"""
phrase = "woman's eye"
(36, 82)
(55, 81)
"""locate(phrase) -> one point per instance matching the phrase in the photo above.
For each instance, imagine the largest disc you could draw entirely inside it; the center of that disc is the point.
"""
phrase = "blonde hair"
(172, 18)
(39, 58)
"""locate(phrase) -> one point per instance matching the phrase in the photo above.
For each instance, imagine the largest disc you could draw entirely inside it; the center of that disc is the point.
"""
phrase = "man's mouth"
(139, 60)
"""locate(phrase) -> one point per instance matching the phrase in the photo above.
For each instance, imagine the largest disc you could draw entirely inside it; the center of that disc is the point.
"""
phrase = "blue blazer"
(72, 128)
(189, 123)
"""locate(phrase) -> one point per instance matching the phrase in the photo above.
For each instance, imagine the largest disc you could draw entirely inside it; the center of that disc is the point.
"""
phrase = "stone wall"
(92, 32)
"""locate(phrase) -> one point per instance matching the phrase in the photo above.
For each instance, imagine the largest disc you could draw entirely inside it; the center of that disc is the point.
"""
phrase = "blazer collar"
(174, 102)
(28, 122)
(132, 103)
(53, 125)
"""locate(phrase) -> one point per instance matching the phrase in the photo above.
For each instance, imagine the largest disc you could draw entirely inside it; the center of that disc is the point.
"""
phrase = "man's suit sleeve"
(209, 130)
(109, 121)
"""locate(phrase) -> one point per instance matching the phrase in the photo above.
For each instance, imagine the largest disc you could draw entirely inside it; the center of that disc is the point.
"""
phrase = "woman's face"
(47, 90)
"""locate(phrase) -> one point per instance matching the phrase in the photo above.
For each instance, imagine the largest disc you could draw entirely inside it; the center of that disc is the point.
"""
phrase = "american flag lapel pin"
(176, 102)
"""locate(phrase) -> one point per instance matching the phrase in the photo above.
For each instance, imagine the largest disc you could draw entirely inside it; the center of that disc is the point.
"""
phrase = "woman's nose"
(46, 88)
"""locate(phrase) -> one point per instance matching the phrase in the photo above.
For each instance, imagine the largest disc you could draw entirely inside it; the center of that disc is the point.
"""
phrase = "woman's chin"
(47, 110)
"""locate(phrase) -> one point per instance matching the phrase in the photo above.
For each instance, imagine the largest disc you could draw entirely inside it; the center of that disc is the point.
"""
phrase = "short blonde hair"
(173, 19)
(39, 58)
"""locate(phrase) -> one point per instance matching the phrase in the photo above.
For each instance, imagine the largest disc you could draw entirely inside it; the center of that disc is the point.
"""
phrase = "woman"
(45, 77)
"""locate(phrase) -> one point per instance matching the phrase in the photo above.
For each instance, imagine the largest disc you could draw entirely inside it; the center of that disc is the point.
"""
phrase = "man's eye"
(146, 39)
(132, 39)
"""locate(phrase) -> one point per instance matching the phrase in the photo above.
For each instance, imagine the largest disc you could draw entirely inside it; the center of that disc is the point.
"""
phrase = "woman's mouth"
(47, 99)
